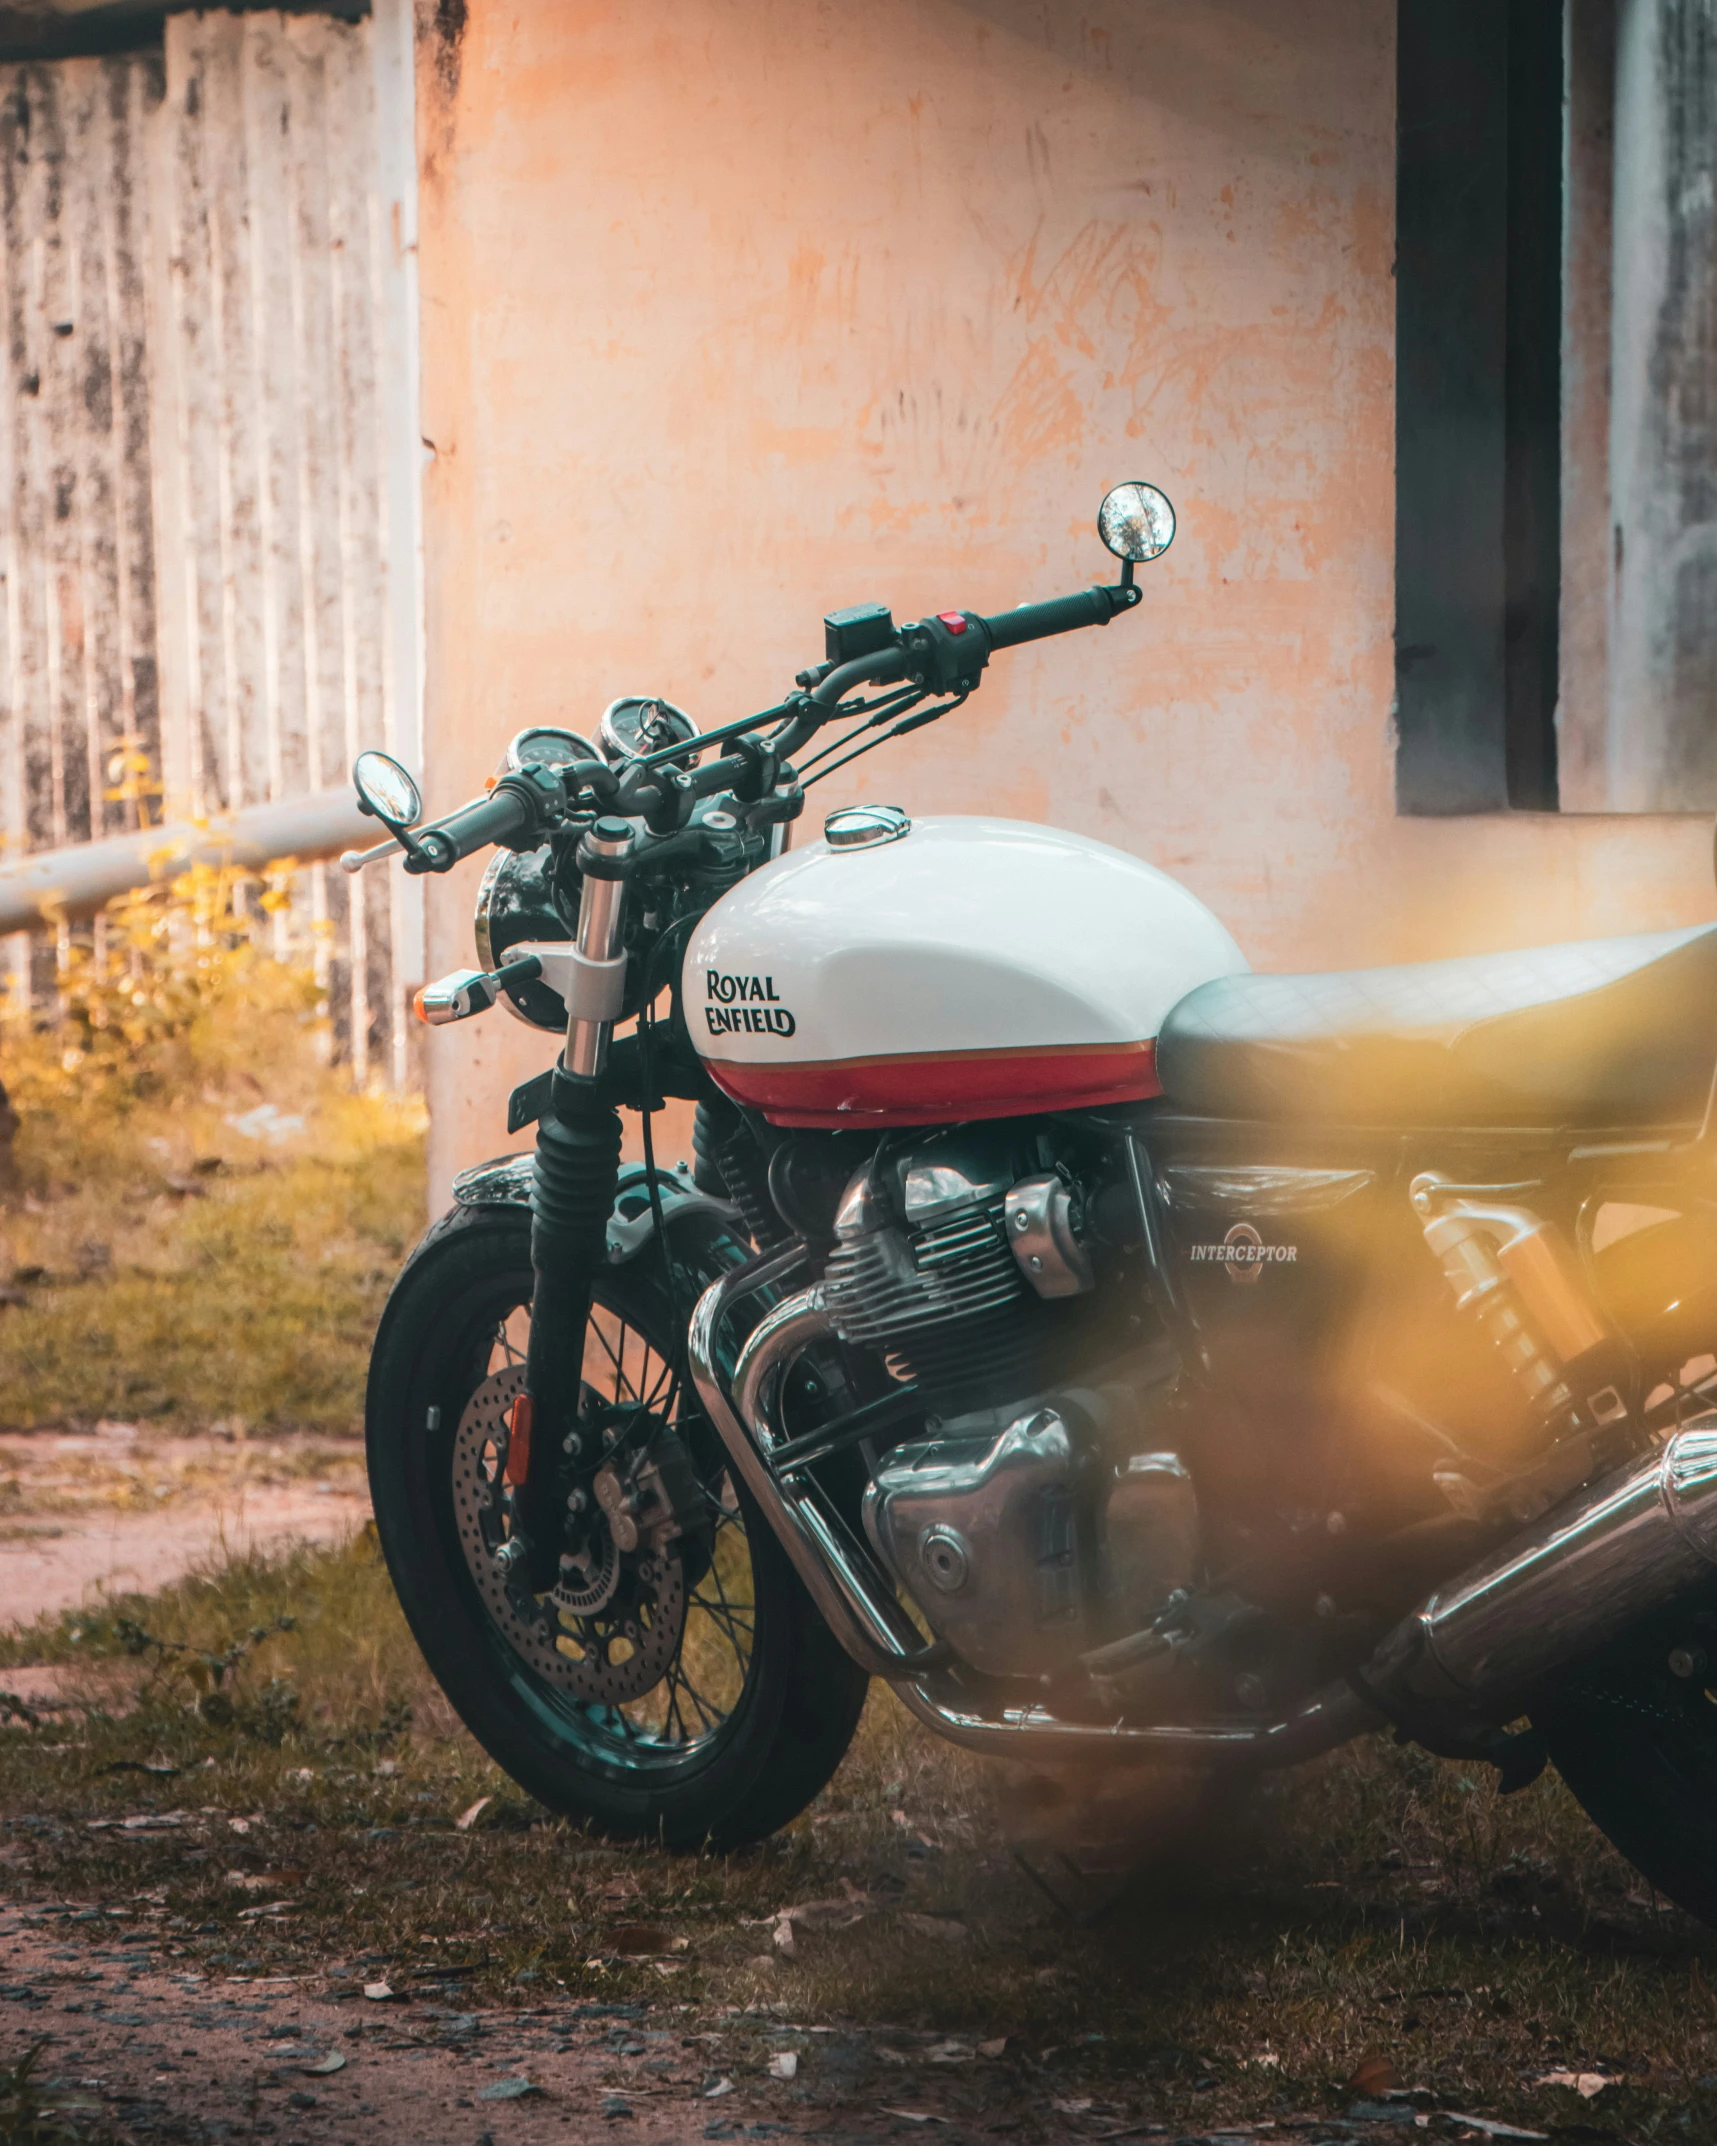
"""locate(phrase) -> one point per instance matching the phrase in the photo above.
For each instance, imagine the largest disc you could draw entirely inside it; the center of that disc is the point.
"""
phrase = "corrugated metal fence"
(208, 451)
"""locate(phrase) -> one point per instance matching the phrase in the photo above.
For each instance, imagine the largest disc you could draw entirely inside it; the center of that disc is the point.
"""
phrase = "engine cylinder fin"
(940, 1301)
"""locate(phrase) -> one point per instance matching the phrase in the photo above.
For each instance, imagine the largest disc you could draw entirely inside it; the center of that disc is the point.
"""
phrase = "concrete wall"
(733, 313)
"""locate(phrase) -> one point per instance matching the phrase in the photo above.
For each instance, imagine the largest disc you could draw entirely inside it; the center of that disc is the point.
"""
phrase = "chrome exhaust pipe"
(1603, 1558)
(868, 1622)
(863, 1610)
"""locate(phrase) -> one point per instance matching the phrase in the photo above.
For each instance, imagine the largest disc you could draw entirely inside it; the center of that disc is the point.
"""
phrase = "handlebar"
(506, 809)
(944, 654)
(1060, 614)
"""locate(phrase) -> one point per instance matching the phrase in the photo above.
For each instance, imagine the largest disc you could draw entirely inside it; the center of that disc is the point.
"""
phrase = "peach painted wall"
(737, 310)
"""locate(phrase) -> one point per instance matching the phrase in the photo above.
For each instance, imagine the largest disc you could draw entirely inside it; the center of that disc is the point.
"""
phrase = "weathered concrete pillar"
(1588, 191)
(1662, 747)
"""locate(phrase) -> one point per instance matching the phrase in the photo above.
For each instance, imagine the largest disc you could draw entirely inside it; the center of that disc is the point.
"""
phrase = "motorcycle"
(1140, 1363)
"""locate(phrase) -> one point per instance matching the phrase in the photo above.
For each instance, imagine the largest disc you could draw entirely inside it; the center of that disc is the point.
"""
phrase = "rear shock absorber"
(1516, 1275)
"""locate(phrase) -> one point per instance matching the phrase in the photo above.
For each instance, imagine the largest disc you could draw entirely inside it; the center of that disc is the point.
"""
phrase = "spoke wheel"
(657, 1634)
(675, 1679)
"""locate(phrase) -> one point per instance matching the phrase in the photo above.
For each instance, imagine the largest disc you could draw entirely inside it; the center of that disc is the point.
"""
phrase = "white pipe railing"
(77, 882)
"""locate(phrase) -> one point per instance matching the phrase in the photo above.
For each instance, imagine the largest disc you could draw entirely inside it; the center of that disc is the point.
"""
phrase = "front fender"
(711, 1225)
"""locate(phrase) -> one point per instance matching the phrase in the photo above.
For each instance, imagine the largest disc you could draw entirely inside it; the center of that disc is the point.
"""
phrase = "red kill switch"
(955, 621)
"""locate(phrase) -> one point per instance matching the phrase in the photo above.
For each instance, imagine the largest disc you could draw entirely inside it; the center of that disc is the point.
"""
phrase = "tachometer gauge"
(546, 747)
(638, 723)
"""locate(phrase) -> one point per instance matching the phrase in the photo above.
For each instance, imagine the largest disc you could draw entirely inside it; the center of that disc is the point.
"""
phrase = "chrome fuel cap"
(863, 826)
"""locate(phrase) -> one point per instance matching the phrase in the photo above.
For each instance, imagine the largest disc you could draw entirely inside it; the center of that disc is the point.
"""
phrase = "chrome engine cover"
(1026, 1544)
(982, 1532)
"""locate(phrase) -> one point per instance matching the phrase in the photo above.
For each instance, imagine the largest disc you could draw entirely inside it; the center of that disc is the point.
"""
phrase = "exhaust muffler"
(1602, 1559)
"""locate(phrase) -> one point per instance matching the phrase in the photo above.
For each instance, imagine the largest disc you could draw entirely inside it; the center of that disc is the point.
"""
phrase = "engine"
(1035, 1523)
(923, 1270)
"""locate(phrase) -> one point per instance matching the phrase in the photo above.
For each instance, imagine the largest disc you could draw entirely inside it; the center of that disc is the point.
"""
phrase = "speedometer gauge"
(639, 723)
(546, 747)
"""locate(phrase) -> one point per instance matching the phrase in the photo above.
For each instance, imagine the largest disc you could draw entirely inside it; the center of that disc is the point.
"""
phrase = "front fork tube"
(572, 1196)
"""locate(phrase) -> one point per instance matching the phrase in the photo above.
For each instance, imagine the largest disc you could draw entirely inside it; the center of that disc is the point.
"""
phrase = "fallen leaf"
(916, 2116)
(638, 1940)
(239, 1825)
(378, 1992)
(1584, 2083)
(950, 2053)
(467, 1819)
(1373, 2074)
(514, 2089)
(784, 2064)
(783, 1939)
(1075, 2107)
(940, 1929)
(667, 1967)
(324, 2067)
(721, 2086)
(995, 2048)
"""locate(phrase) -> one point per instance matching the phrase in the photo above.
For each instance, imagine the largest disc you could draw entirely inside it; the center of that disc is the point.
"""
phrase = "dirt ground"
(131, 2048)
(117, 1509)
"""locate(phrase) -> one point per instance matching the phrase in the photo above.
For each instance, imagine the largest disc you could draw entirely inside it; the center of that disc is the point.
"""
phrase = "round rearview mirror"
(387, 790)
(1136, 522)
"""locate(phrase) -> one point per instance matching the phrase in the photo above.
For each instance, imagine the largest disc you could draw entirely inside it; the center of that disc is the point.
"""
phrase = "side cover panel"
(976, 968)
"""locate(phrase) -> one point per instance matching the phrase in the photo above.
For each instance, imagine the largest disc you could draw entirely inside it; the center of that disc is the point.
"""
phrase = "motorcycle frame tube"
(1615, 1550)
(1148, 1199)
(868, 1622)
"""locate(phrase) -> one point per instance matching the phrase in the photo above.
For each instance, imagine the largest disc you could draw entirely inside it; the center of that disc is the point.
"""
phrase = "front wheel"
(676, 1682)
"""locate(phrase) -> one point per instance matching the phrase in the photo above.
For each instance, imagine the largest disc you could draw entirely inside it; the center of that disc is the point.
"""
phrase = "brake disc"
(610, 1628)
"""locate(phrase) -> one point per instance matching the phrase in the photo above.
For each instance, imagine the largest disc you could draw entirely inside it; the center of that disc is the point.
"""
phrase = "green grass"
(182, 1269)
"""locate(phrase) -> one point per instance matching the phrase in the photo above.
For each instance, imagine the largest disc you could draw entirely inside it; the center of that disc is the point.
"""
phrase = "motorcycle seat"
(1604, 1032)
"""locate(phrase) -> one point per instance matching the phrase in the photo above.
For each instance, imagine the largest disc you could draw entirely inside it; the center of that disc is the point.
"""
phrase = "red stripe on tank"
(938, 1087)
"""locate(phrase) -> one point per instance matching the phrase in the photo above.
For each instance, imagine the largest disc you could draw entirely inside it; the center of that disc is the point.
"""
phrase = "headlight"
(515, 903)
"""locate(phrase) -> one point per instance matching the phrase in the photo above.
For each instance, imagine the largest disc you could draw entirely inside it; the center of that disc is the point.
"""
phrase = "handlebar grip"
(1061, 614)
(472, 828)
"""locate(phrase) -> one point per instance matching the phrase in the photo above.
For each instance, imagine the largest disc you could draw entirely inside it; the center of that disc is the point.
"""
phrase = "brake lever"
(354, 860)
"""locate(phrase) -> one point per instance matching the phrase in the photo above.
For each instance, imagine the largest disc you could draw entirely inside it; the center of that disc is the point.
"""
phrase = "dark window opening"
(30, 33)
(1478, 404)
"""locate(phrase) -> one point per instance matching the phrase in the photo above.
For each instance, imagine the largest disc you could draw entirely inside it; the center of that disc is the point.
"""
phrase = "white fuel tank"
(970, 968)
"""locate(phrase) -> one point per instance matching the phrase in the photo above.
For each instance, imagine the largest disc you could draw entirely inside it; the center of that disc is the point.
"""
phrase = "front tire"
(755, 1703)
